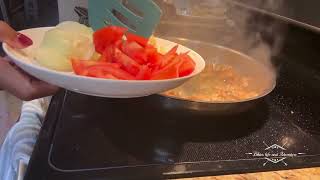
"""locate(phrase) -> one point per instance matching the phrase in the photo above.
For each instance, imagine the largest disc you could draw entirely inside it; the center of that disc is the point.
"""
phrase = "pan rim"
(261, 95)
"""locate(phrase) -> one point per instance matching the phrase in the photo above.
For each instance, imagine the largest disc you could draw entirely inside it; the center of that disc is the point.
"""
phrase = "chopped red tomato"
(107, 54)
(104, 37)
(128, 64)
(88, 63)
(169, 72)
(135, 51)
(154, 58)
(144, 73)
(187, 65)
(138, 39)
(100, 74)
(169, 56)
(132, 58)
(80, 67)
(107, 70)
(118, 44)
(155, 61)
(150, 51)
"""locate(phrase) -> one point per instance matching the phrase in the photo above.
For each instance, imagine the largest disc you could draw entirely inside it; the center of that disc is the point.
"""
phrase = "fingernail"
(24, 40)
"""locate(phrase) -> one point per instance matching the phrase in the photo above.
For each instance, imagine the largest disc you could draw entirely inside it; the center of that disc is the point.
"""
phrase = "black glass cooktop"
(87, 137)
(124, 133)
(121, 138)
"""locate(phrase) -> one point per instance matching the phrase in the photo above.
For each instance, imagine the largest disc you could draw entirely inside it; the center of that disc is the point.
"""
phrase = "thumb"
(13, 38)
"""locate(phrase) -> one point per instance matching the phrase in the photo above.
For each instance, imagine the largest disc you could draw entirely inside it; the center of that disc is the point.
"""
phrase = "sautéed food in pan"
(229, 77)
(221, 83)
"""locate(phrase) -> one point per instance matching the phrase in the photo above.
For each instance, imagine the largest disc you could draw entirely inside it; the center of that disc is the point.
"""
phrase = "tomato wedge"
(155, 61)
(138, 39)
(128, 64)
(107, 70)
(173, 50)
(169, 72)
(135, 51)
(108, 54)
(104, 37)
(100, 74)
(154, 58)
(80, 67)
(132, 58)
(169, 56)
(187, 65)
(175, 60)
(145, 73)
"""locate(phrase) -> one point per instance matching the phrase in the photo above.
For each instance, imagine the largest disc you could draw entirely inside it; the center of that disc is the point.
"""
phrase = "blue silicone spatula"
(138, 16)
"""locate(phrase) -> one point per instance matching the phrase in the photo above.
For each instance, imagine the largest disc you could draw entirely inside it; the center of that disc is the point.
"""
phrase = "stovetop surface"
(123, 138)
(115, 133)
(87, 137)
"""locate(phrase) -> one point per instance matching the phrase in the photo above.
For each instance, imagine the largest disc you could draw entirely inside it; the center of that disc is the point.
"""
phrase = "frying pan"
(262, 80)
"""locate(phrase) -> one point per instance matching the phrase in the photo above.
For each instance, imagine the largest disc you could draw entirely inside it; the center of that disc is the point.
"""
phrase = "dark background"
(31, 13)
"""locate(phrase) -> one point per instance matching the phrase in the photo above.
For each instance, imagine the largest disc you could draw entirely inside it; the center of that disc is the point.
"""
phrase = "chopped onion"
(68, 40)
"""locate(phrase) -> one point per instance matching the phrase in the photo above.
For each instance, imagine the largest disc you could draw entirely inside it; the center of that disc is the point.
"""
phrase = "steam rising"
(258, 36)
(230, 23)
(203, 24)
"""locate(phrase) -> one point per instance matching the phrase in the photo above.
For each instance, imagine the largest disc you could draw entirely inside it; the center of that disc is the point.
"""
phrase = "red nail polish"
(24, 40)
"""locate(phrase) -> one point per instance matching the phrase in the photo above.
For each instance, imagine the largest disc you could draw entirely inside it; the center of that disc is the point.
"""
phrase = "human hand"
(13, 79)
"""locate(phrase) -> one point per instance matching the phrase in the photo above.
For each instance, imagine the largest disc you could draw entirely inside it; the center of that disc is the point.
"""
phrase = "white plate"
(94, 86)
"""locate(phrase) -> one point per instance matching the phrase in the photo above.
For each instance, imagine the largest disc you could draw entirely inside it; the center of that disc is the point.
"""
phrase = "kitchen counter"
(298, 174)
